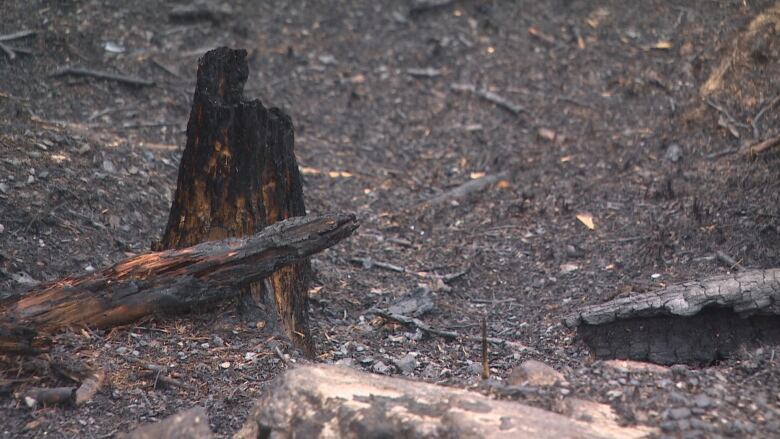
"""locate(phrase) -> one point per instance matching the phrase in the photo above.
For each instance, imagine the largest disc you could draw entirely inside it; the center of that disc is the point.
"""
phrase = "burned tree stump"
(238, 174)
(171, 281)
(691, 322)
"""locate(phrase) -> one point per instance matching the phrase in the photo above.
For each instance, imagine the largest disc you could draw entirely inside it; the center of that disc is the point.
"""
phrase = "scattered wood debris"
(490, 97)
(78, 71)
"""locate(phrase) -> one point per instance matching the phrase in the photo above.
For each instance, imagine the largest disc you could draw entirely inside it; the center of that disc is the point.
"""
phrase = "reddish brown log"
(238, 174)
(174, 281)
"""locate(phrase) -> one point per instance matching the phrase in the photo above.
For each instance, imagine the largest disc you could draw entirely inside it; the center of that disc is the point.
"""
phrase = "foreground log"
(336, 402)
(189, 424)
(691, 322)
(174, 281)
(238, 174)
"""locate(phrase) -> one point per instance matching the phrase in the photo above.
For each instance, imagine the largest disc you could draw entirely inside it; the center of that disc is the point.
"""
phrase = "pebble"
(703, 401)
(381, 367)
(407, 364)
(679, 413)
(534, 373)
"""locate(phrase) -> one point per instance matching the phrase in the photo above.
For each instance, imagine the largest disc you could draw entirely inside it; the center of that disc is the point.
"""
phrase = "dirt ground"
(615, 125)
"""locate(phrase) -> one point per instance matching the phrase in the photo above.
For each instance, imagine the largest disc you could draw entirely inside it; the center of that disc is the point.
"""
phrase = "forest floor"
(621, 120)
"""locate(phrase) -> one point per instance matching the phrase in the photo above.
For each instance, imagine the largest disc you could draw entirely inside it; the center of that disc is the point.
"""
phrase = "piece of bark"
(189, 424)
(690, 322)
(336, 402)
(89, 387)
(238, 174)
(174, 281)
(36, 397)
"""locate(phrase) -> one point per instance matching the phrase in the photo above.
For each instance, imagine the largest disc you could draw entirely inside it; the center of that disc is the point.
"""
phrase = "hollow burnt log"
(690, 322)
(238, 174)
(173, 281)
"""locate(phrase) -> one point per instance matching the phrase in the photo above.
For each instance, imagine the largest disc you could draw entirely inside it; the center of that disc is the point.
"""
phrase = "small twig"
(728, 260)
(166, 69)
(491, 97)
(464, 189)
(629, 239)
(75, 71)
(576, 102)
(280, 354)
(485, 362)
(760, 114)
(17, 35)
(9, 52)
(410, 321)
(725, 112)
(492, 301)
(447, 278)
(151, 125)
(722, 153)
(428, 72)
(159, 374)
(762, 146)
(368, 263)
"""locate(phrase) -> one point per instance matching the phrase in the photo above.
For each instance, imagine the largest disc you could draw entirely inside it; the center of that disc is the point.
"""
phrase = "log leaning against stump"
(171, 281)
(690, 322)
(238, 174)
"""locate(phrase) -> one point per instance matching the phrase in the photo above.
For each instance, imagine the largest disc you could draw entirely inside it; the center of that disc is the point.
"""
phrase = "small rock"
(132, 170)
(89, 268)
(121, 350)
(2, 228)
(546, 134)
(673, 153)
(225, 365)
(108, 166)
(703, 401)
(415, 304)
(475, 367)
(381, 367)
(349, 362)
(30, 179)
(568, 268)
(407, 364)
(679, 413)
(218, 342)
(327, 59)
(83, 149)
(535, 373)
(4, 188)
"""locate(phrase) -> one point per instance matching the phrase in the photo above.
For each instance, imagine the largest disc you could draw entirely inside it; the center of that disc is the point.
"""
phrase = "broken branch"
(490, 97)
(76, 71)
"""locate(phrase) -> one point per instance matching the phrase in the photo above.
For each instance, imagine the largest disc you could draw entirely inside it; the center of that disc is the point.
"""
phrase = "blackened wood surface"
(691, 322)
(747, 292)
(238, 174)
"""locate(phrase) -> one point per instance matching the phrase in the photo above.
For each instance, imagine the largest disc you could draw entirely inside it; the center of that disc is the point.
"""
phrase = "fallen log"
(331, 401)
(174, 281)
(690, 322)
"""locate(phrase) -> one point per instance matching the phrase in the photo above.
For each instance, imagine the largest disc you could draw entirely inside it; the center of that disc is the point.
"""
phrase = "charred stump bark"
(171, 281)
(238, 174)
